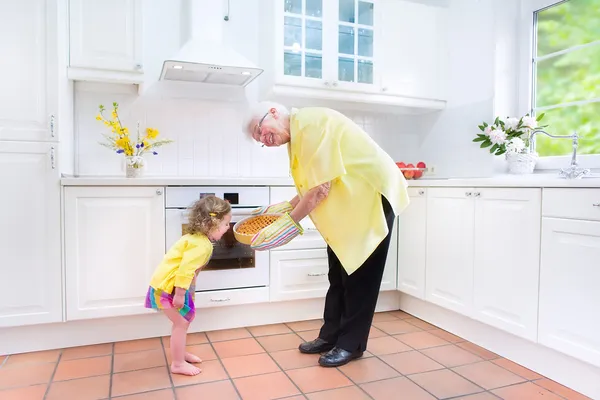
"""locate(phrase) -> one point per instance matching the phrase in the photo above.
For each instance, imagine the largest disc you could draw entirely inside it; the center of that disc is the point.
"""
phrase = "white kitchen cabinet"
(507, 260)
(569, 273)
(449, 262)
(298, 274)
(390, 272)
(106, 40)
(353, 52)
(29, 70)
(30, 234)
(114, 240)
(412, 244)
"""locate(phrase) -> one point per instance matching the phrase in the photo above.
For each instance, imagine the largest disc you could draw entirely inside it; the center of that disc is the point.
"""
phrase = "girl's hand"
(178, 300)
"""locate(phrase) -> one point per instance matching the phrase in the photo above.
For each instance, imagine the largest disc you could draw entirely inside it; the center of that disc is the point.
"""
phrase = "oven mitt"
(279, 233)
(278, 208)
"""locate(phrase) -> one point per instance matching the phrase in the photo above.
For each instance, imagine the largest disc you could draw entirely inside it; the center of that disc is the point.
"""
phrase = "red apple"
(419, 174)
(401, 165)
(409, 174)
(421, 164)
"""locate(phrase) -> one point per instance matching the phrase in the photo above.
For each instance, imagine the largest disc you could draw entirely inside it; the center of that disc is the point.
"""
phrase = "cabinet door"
(106, 34)
(412, 245)
(390, 272)
(299, 274)
(507, 243)
(300, 42)
(569, 297)
(28, 71)
(449, 264)
(30, 235)
(114, 239)
(411, 48)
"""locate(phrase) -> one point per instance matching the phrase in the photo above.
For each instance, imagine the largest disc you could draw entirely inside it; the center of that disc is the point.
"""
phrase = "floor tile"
(383, 317)
(451, 355)
(346, 393)
(528, 391)
(477, 350)
(488, 375)
(368, 370)
(238, 347)
(25, 393)
(287, 341)
(137, 345)
(266, 330)
(386, 345)
(445, 383)
(36, 357)
(255, 364)
(420, 323)
(204, 351)
(479, 396)
(140, 381)
(2, 358)
(25, 375)
(211, 371)
(411, 362)
(517, 369)
(94, 388)
(375, 333)
(560, 390)
(314, 379)
(421, 340)
(164, 394)
(222, 390)
(292, 359)
(396, 327)
(396, 388)
(309, 335)
(300, 326)
(139, 360)
(265, 387)
(82, 368)
(96, 350)
(447, 336)
(228, 334)
(400, 314)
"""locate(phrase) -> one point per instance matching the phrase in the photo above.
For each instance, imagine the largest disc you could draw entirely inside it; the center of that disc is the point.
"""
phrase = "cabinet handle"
(223, 300)
(158, 192)
(52, 158)
(477, 194)
(596, 205)
(384, 89)
(326, 83)
(335, 83)
(52, 134)
(468, 194)
(421, 192)
(317, 273)
(138, 66)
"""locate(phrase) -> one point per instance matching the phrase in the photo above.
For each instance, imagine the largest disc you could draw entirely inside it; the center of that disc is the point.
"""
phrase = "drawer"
(572, 203)
(232, 297)
(299, 274)
(416, 191)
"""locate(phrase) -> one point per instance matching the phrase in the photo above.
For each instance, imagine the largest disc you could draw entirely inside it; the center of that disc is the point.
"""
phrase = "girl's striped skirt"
(159, 300)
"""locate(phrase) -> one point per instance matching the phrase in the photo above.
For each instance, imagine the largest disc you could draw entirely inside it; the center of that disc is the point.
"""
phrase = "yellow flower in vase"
(151, 133)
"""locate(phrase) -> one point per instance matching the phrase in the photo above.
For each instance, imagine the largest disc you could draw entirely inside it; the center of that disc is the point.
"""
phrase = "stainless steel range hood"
(204, 58)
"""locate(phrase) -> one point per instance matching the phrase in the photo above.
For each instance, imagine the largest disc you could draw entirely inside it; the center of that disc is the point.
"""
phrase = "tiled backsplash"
(208, 136)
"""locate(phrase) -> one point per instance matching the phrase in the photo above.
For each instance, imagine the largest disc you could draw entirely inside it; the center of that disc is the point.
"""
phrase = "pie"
(252, 226)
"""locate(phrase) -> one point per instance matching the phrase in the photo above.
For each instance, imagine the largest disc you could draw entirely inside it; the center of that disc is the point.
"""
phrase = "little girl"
(172, 285)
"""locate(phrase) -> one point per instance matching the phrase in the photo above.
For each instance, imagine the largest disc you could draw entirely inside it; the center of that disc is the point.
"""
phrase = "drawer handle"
(220, 300)
(317, 273)
(596, 205)
(421, 192)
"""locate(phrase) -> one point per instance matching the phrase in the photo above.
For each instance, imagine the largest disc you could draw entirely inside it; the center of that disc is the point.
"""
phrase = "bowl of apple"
(410, 171)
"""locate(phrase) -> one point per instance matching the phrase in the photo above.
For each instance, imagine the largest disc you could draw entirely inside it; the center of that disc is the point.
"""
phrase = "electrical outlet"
(431, 170)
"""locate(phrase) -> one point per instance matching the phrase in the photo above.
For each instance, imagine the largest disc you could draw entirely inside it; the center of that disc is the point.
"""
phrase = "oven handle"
(221, 300)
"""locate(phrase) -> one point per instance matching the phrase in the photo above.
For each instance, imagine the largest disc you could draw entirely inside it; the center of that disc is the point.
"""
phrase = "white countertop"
(535, 181)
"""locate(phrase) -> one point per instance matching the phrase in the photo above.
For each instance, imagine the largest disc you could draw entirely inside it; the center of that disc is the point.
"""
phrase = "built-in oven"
(233, 265)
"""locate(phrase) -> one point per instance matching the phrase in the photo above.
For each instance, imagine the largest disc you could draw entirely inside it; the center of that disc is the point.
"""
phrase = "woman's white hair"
(257, 111)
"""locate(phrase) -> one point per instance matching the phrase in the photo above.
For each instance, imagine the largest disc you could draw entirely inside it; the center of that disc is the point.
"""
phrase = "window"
(566, 75)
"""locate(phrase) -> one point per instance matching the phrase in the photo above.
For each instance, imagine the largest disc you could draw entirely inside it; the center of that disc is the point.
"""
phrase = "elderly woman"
(352, 190)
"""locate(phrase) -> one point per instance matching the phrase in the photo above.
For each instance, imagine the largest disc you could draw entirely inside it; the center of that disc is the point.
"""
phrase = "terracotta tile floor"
(407, 359)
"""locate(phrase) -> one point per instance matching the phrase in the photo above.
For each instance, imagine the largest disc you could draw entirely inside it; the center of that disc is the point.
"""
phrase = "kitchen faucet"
(572, 171)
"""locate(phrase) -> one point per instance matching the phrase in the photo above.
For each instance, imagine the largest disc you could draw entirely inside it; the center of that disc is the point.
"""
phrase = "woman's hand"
(310, 201)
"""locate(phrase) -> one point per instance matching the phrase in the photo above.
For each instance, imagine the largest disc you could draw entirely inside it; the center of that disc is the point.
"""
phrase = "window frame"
(526, 83)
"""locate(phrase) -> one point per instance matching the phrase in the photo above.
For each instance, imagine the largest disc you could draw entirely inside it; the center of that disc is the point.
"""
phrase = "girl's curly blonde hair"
(206, 214)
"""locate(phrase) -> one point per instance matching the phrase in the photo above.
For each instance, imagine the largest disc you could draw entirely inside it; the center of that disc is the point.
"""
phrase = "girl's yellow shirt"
(327, 146)
(179, 265)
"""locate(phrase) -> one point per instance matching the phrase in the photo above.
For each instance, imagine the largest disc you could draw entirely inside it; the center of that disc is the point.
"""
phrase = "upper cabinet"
(28, 71)
(383, 53)
(105, 40)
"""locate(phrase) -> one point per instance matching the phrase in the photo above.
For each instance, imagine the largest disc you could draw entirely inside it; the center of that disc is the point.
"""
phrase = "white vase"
(134, 167)
(521, 163)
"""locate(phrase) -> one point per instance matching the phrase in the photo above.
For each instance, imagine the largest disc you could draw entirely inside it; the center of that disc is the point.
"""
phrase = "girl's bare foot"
(191, 358)
(185, 368)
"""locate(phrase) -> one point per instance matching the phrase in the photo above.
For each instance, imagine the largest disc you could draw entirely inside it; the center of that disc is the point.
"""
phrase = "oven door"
(233, 264)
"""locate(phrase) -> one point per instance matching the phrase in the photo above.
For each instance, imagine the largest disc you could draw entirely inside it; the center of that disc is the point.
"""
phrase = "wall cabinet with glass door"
(337, 49)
